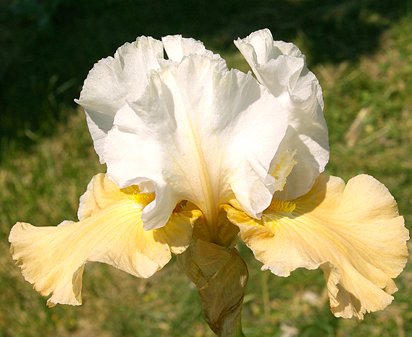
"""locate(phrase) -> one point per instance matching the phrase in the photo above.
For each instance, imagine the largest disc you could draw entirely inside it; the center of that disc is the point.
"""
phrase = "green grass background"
(361, 51)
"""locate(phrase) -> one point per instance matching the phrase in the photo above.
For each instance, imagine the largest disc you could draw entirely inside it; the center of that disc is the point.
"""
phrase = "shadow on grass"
(47, 47)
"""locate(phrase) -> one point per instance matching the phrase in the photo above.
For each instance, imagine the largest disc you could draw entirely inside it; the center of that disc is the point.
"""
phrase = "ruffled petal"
(111, 231)
(114, 81)
(100, 193)
(281, 67)
(178, 47)
(353, 233)
(199, 134)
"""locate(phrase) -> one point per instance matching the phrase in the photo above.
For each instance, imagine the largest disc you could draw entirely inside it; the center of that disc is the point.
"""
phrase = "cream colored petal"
(354, 233)
(177, 234)
(100, 193)
(53, 258)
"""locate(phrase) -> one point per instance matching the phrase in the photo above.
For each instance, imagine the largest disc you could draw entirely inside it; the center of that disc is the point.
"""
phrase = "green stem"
(220, 276)
(232, 328)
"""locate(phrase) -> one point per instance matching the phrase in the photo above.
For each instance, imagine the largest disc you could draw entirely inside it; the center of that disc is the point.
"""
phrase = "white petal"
(281, 68)
(178, 47)
(114, 81)
(198, 133)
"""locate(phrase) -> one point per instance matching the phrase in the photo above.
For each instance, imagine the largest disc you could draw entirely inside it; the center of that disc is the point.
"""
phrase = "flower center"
(280, 206)
(134, 194)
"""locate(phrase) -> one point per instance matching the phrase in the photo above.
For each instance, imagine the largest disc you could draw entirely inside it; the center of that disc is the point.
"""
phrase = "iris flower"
(199, 156)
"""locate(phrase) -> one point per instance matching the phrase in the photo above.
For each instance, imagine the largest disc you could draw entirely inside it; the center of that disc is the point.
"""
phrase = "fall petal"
(177, 234)
(100, 193)
(111, 231)
(354, 233)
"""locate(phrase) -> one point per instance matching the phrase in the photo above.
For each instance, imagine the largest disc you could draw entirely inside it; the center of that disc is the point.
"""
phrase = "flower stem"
(220, 275)
(232, 328)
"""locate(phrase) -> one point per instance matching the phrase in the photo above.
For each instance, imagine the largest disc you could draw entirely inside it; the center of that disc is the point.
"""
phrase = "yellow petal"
(111, 231)
(177, 233)
(100, 193)
(353, 233)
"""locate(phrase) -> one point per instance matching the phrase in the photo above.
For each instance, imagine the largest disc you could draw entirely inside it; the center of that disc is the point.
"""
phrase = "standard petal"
(354, 233)
(199, 134)
(281, 68)
(114, 81)
(178, 47)
(111, 231)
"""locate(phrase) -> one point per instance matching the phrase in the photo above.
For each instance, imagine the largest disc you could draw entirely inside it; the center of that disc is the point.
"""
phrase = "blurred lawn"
(361, 52)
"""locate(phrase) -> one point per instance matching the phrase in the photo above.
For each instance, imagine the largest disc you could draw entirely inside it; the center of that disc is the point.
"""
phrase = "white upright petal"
(281, 67)
(178, 47)
(199, 134)
(115, 80)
